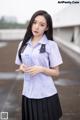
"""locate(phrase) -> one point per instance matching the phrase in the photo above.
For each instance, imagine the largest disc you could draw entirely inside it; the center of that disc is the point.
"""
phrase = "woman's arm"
(51, 71)
(33, 70)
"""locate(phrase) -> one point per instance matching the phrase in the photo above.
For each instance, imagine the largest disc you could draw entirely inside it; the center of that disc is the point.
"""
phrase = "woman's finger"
(17, 70)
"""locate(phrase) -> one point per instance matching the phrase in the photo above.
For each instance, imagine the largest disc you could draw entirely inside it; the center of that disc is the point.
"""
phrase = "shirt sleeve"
(17, 60)
(55, 57)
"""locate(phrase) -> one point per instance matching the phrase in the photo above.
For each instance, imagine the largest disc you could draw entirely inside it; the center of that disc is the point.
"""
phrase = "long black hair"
(28, 34)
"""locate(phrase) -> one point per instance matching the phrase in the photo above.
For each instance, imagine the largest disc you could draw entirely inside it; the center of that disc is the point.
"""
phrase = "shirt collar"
(43, 40)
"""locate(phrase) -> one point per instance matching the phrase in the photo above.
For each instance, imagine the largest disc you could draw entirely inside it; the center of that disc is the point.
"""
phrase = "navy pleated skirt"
(41, 109)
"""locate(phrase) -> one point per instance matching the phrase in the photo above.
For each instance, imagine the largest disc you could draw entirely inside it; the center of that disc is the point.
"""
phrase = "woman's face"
(39, 26)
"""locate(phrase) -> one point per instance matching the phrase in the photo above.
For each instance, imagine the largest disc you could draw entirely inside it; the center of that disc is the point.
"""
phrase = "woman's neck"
(35, 40)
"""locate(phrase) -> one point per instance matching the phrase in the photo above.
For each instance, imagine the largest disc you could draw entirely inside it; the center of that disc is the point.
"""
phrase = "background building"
(67, 27)
(67, 24)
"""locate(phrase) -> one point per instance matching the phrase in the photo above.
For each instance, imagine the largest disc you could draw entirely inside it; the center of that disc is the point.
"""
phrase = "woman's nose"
(37, 26)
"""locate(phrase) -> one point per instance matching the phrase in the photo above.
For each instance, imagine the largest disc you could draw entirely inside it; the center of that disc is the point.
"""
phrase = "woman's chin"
(35, 34)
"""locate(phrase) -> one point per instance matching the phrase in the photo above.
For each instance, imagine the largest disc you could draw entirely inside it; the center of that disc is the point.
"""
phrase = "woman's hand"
(33, 70)
(22, 68)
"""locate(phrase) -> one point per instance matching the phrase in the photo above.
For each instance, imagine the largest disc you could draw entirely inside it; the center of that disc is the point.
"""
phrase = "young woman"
(39, 58)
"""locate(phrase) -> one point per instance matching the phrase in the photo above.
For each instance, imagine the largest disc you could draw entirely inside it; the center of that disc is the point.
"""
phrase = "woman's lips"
(35, 31)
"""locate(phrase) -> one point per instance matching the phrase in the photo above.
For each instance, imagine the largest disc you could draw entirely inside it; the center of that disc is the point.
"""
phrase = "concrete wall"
(12, 34)
(69, 40)
(77, 36)
(68, 34)
(64, 33)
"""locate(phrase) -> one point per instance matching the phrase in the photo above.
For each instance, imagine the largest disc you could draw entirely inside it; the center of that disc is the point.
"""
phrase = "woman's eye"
(42, 25)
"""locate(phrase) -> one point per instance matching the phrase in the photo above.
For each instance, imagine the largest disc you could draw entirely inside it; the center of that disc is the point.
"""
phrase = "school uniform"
(40, 99)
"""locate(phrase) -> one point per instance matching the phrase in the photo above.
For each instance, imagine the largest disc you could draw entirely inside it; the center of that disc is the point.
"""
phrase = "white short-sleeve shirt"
(40, 85)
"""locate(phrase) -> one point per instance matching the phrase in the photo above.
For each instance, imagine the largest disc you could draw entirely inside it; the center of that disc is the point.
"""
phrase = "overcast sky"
(23, 9)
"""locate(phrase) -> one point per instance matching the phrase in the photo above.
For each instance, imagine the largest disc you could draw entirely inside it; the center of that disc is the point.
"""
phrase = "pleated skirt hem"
(41, 109)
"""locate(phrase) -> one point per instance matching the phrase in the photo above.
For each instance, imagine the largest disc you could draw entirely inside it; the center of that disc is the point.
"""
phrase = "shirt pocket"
(43, 58)
(26, 59)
